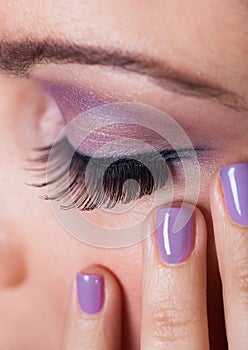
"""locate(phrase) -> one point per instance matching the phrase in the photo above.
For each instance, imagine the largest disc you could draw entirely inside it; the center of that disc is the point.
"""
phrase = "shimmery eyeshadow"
(91, 138)
(72, 100)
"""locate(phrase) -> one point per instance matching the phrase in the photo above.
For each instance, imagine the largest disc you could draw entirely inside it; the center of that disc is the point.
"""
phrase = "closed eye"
(86, 183)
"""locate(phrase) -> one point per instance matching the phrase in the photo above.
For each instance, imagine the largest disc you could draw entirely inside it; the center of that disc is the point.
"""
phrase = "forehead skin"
(209, 38)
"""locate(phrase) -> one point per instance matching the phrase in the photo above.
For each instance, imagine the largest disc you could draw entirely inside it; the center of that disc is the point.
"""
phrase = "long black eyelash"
(105, 184)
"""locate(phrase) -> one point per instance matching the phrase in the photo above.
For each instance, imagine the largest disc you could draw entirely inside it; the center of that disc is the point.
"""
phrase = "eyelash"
(107, 190)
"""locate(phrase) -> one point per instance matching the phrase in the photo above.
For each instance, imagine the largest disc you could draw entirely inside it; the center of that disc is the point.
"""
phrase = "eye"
(93, 180)
(107, 183)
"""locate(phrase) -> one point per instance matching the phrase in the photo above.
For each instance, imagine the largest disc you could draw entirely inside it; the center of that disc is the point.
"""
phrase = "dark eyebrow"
(20, 57)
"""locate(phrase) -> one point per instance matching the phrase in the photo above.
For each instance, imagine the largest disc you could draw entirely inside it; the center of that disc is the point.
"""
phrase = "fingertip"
(180, 233)
(90, 292)
(229, 194)
(94, 319)
(97, 289)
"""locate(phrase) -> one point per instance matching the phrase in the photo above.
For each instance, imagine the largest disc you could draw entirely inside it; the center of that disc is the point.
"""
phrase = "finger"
(174, 312)
(94, 319)
(229, 206)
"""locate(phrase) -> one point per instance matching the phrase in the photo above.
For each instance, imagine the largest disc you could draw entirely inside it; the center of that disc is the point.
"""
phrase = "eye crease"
(106, 183)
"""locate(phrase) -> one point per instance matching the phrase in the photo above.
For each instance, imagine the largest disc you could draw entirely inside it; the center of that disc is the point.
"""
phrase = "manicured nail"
(234, 179)
(175, 233)
(90, 292)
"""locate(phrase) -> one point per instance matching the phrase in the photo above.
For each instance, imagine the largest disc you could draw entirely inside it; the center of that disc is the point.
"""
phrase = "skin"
(39, 260)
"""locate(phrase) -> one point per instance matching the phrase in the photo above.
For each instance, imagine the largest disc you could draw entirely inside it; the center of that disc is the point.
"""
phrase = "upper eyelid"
(77, 93)
(224, 98)
(78, 98)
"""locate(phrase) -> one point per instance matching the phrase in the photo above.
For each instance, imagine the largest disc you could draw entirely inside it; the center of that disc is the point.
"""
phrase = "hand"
(174, 312)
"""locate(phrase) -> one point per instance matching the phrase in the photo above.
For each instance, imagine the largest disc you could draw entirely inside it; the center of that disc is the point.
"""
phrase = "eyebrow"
(20, 57)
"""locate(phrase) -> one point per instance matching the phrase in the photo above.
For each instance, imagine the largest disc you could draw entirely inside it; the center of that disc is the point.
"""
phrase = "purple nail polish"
(90, 292)
(175, 234)
(234, 179)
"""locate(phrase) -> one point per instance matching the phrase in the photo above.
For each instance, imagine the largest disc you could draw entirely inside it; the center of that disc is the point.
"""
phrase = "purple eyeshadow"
(72, 100)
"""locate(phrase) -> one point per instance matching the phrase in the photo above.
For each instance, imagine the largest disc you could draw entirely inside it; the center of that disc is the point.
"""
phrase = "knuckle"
(171, 321)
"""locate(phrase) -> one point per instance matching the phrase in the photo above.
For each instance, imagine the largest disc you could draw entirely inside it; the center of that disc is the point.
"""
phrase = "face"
(188, 61)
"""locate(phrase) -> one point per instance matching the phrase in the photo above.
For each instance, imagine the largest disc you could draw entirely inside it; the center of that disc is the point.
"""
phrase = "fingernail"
(90, 292)
(175, 234)
(234, 180)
